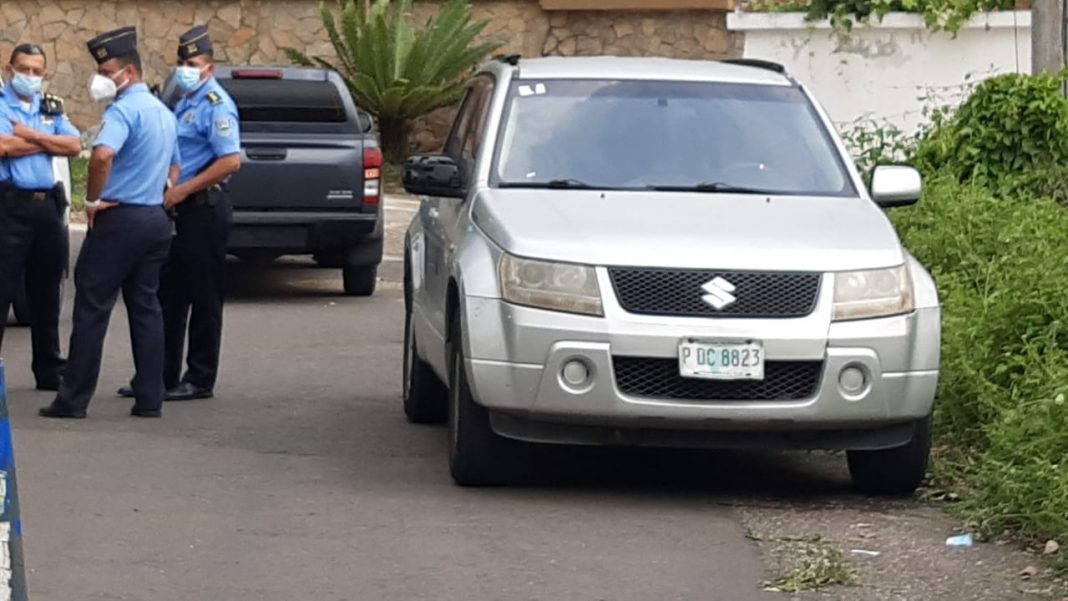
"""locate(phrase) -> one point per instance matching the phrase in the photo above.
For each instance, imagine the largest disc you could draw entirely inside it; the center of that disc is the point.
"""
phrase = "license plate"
(721, 360)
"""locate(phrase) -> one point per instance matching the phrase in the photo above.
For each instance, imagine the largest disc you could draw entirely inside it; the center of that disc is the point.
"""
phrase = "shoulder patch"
(214, 98)
(52, 105)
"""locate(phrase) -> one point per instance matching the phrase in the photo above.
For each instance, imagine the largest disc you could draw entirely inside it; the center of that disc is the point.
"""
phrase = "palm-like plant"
(396, 70)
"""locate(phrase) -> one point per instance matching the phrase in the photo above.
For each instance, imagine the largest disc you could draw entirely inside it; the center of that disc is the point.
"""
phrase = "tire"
(477, 455)
(426, 399)
(21, 307)
(893, 472)
(360, 280)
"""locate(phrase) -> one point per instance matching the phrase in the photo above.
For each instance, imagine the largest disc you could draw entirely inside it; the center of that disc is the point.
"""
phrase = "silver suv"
(638, 251)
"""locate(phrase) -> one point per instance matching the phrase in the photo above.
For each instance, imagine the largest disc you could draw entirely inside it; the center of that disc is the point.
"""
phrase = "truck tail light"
(372, 176)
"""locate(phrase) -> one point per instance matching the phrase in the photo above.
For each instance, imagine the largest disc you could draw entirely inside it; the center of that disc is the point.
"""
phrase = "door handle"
(266, 154)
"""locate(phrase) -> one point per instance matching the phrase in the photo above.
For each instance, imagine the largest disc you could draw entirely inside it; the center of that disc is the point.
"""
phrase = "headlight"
(555, 286)
(876, 293)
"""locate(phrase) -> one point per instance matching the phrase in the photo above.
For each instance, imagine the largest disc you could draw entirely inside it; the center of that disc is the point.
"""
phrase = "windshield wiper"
(556, 184)
(712, 187)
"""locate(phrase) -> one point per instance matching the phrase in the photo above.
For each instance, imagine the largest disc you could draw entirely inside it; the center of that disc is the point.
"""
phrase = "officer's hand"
(92, 211)
(174, 195)
(24, 131)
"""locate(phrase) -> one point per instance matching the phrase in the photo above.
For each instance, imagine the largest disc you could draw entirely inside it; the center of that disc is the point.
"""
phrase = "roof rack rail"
(511, 59)
(756, 62)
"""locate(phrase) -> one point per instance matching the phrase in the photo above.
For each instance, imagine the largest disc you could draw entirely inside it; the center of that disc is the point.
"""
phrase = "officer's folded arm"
(54, 144)
(15, 147)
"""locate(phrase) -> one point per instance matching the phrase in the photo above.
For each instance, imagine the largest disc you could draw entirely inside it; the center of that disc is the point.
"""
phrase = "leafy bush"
(1011, 136)
(396, 70)
(1001, 410)
(939, 15)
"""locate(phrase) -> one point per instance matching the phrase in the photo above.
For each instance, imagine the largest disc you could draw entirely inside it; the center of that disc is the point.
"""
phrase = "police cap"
(194, 43)
(118, 42)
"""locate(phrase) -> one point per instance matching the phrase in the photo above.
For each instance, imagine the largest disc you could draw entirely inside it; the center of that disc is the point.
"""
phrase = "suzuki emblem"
(720, 293)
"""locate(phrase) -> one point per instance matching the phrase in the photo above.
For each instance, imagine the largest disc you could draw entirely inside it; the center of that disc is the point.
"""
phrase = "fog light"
(576, 373)
(852, 380)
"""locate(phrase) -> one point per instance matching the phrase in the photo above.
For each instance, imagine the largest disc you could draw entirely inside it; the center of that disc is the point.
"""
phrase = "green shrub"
(939, 15)
(398, 70)
(1011, 136)
(999, 264)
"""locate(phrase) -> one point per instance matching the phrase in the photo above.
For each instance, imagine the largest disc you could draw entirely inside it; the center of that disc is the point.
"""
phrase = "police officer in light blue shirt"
(134, 158)
(191, 284)
(33, 237)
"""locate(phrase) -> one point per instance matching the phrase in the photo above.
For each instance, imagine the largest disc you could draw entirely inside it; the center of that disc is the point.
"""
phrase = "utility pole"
(1047, 36)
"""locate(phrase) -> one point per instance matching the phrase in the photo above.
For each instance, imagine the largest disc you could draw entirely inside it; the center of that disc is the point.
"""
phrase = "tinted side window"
(468, 130)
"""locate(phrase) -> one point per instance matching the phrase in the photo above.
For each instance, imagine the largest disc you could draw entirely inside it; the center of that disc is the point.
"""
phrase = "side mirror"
(896, 186)
(433, 175)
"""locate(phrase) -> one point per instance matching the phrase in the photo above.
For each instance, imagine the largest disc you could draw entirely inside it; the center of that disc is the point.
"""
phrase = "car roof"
(647, 68)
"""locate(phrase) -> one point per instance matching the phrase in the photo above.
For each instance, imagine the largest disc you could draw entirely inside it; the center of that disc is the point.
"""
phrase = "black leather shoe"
(139, 412)
(188, 392)
(126, 392)
(60, 413)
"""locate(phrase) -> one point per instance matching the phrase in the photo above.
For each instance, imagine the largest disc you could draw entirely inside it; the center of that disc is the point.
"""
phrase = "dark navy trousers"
(192, 290)
(34, 250)
(122, 252)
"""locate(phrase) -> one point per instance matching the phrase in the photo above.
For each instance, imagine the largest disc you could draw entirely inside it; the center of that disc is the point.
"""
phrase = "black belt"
(19, 194)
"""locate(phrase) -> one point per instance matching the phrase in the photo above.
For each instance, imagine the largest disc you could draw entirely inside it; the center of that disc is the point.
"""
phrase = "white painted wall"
(882, 71)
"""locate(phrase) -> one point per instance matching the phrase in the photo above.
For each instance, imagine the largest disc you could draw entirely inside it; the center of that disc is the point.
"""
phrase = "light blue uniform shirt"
(144, 135)
(207, 128)
(32, 172)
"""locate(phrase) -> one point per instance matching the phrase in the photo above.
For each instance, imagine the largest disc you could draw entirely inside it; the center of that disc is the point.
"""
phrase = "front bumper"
(516, 358)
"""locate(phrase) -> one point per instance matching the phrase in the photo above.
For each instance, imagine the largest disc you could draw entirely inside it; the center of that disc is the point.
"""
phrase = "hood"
(690, 230)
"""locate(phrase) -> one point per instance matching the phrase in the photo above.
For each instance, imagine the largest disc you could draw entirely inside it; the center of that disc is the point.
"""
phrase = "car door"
(442, 216)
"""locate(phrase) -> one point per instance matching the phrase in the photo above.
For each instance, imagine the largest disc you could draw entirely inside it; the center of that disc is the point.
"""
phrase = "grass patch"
(1001, 415)
(392, 178)
(811, 564)
(79, 174)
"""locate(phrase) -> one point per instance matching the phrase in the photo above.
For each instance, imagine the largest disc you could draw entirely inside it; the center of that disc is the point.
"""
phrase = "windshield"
(709, 137)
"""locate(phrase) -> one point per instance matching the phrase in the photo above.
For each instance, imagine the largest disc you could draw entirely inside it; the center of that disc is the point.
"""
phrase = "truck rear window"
(281, 100)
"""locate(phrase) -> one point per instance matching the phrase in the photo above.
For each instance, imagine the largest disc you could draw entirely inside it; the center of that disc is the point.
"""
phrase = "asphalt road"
(302, 480)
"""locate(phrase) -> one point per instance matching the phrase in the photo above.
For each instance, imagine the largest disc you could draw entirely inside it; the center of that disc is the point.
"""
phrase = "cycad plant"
(396, 70)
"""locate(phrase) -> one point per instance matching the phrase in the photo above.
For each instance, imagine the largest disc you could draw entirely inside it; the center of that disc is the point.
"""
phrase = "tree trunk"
(394, 140)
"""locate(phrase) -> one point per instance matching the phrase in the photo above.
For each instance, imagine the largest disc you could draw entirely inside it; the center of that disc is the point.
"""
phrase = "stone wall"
(255, 31)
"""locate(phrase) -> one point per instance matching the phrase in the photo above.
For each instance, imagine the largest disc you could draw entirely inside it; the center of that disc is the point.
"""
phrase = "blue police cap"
(118, 42)
(194, 43)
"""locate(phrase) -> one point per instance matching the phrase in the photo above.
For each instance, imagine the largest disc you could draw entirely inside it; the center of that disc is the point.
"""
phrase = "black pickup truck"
(310, 179)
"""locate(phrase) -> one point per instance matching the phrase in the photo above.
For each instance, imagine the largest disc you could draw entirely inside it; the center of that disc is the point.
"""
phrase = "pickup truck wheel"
(360, 280)
(478, 456)
(21, 306)
(898, 471)
(425, 398)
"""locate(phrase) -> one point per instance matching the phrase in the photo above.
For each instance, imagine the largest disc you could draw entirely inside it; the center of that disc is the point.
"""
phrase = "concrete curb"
(12, 569)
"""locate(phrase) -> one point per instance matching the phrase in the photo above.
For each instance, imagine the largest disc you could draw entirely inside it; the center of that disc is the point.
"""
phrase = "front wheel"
(360, 280)
(898, 471)
(478, 456)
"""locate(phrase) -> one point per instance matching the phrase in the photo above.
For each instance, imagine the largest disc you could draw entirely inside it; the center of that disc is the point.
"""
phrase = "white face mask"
(103, 88)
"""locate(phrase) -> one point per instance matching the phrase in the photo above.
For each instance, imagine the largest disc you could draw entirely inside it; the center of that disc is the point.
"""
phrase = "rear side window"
(287, 101)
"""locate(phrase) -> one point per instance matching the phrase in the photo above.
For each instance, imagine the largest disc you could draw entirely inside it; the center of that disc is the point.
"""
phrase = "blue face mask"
(187, 78)
(26, 85)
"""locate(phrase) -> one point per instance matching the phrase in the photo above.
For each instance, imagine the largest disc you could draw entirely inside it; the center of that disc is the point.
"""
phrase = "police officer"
(134, 156)
(33, 239)
(193, 276)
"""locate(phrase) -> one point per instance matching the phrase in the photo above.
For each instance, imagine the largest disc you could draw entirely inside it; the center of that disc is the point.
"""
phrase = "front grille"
(659, 378)
(679, 293)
